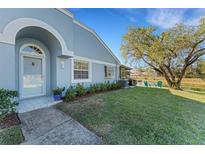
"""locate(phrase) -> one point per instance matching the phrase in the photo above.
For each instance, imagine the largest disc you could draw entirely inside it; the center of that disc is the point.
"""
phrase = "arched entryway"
(41, 61)
(37, 50)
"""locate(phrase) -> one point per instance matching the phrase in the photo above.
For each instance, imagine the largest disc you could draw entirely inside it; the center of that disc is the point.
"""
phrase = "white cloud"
(129, 14)
(132, 19)
(165, 18)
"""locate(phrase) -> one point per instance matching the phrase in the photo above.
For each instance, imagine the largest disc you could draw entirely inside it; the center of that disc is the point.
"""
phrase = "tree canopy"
(169, 52)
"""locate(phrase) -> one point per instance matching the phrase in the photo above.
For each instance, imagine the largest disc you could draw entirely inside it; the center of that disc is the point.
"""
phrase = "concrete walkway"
(31, 104)
(49, 126)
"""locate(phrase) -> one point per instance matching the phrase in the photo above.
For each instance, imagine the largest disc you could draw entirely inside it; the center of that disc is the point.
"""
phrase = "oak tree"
(169, 53)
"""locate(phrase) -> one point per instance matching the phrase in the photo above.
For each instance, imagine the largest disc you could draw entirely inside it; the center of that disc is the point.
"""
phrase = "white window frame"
(110, 77)
(89, 71)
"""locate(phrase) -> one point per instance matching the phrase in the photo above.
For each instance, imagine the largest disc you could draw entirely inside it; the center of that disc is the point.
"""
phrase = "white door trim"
(23, 54)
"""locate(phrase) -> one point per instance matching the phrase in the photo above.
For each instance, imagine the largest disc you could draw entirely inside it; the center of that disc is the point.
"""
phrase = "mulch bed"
(10, 120)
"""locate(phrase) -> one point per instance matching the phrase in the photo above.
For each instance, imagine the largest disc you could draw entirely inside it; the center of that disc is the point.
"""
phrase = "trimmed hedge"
(70, 94)
(80, 90)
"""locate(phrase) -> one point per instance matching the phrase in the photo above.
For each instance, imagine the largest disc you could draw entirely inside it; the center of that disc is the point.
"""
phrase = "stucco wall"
(63, 72)
(87, 45)
(7, 66)
(98, 73)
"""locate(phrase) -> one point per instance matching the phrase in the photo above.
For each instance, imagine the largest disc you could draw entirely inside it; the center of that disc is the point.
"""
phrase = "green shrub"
(70, 94)
(7, 102)
(103, 87)
(97, 87)
(113, 86)
(93, 88)
(119, 84)
(80, 90)
(108, 85)
(58, 91)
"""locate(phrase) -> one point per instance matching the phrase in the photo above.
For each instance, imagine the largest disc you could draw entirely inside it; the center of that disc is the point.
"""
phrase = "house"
(125, 72)
(41, 49)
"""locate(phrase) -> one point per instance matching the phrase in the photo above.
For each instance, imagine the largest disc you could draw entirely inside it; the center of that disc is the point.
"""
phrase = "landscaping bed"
(10, 120)
(10, 131)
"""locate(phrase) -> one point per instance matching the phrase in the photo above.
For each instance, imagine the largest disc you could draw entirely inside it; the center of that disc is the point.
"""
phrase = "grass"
(141, 116)
(196, 84)
(193, 95)
(11, 136)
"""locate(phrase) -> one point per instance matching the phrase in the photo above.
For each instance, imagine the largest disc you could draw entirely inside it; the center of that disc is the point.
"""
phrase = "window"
(109, 71)
(125, 73)
(81, 69)
(33, 50)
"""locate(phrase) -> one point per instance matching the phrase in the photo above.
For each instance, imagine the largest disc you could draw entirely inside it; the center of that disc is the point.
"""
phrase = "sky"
(112, 24)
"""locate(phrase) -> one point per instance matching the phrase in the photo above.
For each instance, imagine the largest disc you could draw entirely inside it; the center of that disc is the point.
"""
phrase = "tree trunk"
(170, 76)
(172, 83)
(177, 85)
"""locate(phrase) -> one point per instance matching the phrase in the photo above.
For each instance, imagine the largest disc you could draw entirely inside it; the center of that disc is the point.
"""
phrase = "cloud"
(165, 18)
(128, 13)
(132, 19)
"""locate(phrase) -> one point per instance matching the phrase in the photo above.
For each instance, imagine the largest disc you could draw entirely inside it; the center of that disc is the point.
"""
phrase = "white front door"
(32, 77)
(32, 72)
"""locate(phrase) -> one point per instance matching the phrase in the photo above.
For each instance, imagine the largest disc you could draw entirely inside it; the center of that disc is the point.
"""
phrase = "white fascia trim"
(66, 12)
(93, 60)
(89, 71)
(83, 26)
(96, 35)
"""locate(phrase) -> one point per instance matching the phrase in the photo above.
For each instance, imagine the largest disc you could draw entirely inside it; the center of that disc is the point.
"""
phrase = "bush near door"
(7, 102)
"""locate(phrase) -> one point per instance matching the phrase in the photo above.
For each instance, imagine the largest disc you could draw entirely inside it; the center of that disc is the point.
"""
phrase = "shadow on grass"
(193, 95)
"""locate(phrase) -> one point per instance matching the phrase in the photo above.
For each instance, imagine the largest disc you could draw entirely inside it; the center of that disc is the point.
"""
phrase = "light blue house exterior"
(41, 49)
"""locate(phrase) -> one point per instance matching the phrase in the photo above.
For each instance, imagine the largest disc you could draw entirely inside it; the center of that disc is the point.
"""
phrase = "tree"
(196, 70)
(169, 53)
(200, 69)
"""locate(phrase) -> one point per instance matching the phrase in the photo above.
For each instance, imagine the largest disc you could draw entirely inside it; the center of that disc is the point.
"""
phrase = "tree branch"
(154, 67)
(170, 72)
(192, 51)
(196, 56)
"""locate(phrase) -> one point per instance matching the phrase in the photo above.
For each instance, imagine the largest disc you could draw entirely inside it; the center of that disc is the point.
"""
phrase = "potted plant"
(57, 93)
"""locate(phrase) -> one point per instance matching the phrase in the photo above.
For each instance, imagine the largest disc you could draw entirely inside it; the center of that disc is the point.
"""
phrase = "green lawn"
(11, 135)
(141, 116)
